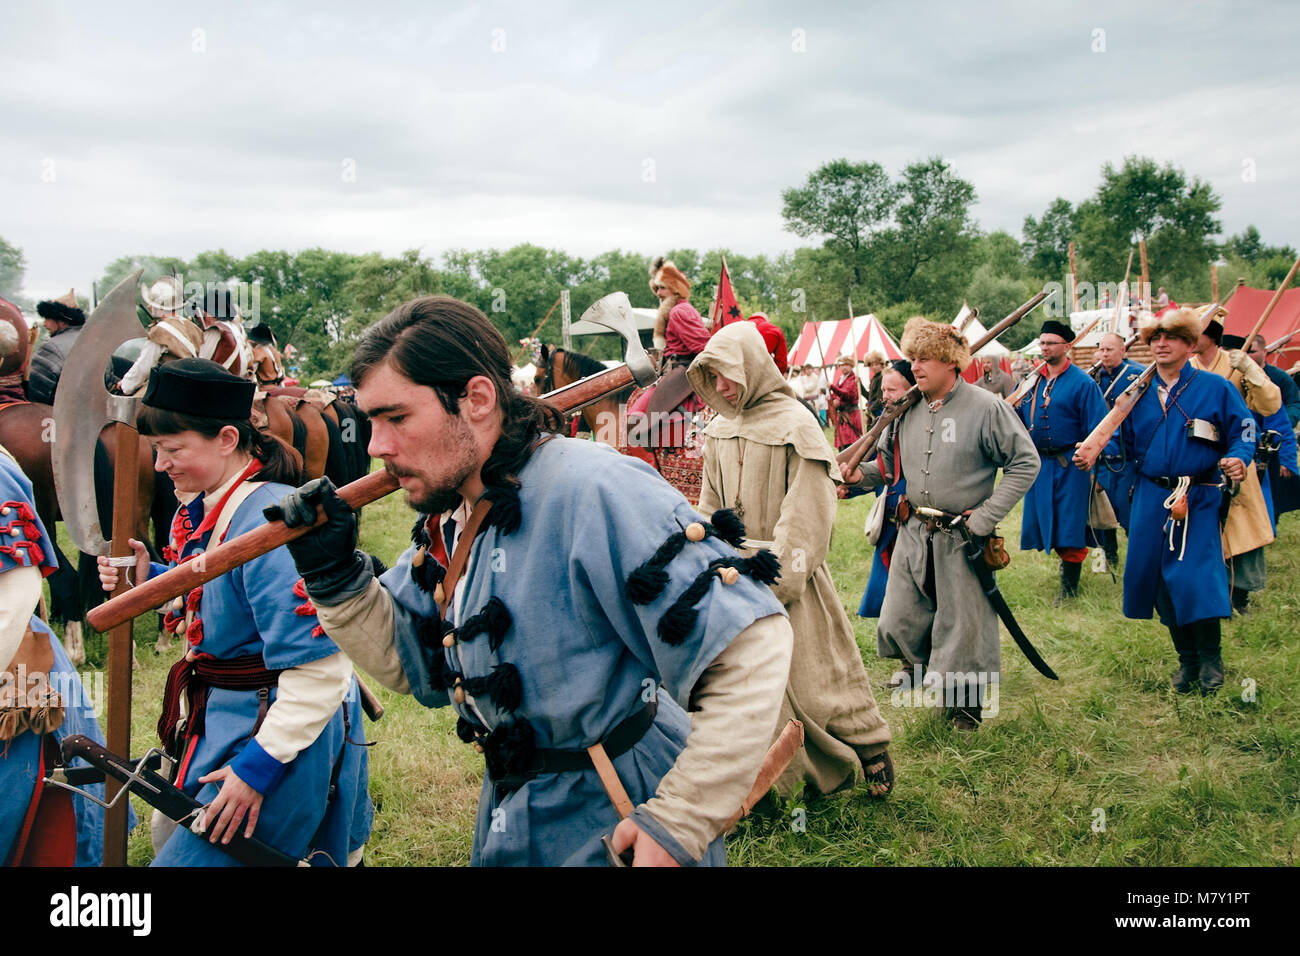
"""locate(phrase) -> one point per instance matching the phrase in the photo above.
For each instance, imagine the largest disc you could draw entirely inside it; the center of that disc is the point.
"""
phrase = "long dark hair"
(279, 461)
(442, 342)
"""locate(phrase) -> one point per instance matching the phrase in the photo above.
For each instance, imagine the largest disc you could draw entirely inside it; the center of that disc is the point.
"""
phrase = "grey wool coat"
(950, 457)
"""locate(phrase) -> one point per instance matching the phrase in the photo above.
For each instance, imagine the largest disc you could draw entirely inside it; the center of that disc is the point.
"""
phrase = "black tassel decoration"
(728, 526)
(675, 626)
(430, 633)
(764, 566)
(466, 731)
(508, 749)
(420, 532)
(646, 583)
(494, 620)
(505, 514)
(505, 687)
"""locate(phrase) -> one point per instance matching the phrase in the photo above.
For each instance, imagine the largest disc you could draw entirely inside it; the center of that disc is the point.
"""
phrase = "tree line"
(895, 246)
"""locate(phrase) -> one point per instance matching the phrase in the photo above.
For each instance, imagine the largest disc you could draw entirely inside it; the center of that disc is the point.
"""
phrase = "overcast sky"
(591, 126)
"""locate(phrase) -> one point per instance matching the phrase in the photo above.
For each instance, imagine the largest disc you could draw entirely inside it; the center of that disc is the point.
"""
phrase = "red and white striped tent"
(856, 337)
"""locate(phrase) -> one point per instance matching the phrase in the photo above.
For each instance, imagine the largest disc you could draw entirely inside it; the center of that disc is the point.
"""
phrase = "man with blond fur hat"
(950, 446)
(1188, 427)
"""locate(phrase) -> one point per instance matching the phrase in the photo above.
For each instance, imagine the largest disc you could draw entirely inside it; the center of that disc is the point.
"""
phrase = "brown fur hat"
(663, 272)
(923, 339)
(1180, 323)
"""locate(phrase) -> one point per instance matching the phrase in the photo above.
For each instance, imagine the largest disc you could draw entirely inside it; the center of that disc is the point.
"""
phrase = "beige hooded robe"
(766, 457)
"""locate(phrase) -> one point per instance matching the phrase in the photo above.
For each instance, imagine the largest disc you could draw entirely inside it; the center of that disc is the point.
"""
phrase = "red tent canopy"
(1245, 308)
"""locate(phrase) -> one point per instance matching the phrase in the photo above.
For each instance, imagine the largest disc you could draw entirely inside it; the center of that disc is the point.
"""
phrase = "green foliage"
(13, 266)
(1142, 200)
(1046, 248)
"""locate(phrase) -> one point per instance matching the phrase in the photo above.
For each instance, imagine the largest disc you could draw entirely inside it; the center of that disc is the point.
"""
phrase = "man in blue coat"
(1114, 473)
(595, 608)
(1188, 427)
(1061, 411)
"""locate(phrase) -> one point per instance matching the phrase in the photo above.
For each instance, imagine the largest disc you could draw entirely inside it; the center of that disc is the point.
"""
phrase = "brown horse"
(27, 432)
(606, 418)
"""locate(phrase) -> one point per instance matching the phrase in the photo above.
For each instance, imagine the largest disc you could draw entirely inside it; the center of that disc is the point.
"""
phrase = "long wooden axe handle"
(266, 538)
(853, 454)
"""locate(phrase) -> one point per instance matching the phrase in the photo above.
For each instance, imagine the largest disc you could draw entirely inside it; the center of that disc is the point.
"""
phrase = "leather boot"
(1189, 668)
(1206, 635)
(1110, 545)
(1241, 600)
(1069, 582)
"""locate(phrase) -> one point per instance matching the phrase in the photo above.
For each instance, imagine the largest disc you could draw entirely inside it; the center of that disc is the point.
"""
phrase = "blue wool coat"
(1116, 472)
(1056, 508)
(587, 657)
(1195, 574)
(251, 610)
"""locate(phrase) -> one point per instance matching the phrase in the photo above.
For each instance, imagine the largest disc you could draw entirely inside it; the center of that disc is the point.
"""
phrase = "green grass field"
(1108, 767)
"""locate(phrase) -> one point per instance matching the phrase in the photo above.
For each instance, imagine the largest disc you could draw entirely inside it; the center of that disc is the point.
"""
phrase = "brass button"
(460, 695)
(440, 596)
(729, 575)
(449, 639)
(178, 604)
(695, 531)
(417, 559)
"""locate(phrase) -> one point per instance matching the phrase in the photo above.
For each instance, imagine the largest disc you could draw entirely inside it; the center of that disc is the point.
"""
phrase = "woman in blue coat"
(262, 712)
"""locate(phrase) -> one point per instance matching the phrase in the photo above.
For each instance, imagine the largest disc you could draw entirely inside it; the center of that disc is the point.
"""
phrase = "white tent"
(975, 331)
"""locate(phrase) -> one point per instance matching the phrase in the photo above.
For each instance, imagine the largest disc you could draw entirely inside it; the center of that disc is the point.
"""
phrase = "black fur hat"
(50, 309)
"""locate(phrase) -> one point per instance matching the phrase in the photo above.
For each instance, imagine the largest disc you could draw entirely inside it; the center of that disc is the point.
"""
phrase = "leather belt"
(619, 741)
(1057, 450)
(1209, 479)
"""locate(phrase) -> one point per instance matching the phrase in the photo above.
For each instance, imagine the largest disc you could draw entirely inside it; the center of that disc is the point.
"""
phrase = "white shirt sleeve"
(20, 590)
(306, 698)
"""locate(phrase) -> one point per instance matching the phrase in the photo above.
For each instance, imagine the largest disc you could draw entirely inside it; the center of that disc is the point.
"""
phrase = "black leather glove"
(332, 568)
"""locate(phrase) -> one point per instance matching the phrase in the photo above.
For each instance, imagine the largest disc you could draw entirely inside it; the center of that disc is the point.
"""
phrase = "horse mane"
(580, 365)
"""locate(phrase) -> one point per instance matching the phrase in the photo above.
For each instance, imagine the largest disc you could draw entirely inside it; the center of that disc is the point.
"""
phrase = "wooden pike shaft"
(852, 455)
(778, 758)
(1146, 276)
(265, 538)
(1074, 282)
(118, 715)
(1272, 303)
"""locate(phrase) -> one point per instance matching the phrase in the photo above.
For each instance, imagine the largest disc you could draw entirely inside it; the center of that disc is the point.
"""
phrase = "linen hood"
(766, 410)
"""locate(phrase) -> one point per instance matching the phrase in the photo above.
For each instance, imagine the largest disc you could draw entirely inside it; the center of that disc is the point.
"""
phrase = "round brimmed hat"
(165, 296)
(201, 388)
(1052, 327)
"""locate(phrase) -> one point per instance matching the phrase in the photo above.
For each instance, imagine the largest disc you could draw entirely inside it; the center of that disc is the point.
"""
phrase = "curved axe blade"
(614, 311)
(83, 407)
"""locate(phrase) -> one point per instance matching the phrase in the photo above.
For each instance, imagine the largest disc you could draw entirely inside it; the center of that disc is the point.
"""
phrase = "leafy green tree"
(1143, 200)
(930, 250)
(1250, 247)
(846, 204)
(1047, 240)
(13, 267)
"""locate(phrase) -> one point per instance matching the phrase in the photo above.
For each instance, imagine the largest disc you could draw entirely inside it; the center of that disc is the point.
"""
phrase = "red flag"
(727, 311)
